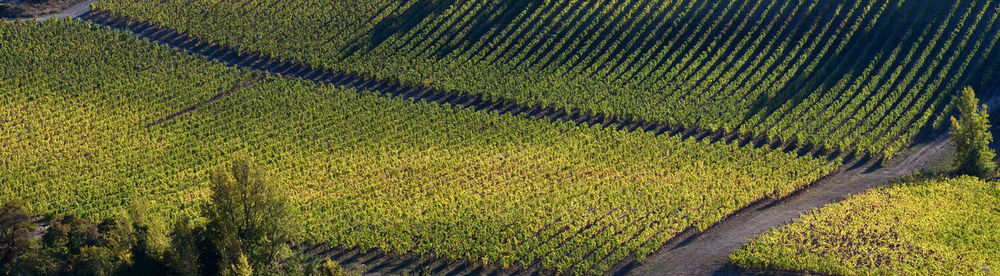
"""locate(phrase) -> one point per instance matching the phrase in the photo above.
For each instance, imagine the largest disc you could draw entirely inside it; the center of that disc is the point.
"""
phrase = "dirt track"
(707, 253)
(76, 10)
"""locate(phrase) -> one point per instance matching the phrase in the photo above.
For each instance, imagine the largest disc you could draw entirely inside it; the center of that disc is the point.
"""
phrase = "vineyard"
(831, 77)
(94, 118)
(917, 227)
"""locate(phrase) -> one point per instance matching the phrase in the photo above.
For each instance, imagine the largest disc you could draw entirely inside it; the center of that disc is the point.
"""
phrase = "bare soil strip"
(208, 101)
(22, 9)
(707, 252)
(420, 92)
(72, 12)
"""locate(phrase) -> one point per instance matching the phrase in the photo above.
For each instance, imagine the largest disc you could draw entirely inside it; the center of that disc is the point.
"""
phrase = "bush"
(972, 138)
(331, 268)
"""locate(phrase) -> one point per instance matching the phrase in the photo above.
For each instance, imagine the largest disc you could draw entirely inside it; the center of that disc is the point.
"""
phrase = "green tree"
(150, 242)
(331, 268)
(187, 249)
(240, 268)
(972, 138)
(248, 216)
(94, 260)
(15, 235)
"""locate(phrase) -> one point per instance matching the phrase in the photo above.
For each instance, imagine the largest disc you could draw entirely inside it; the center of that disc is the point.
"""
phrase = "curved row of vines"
(366, 171)
(833, 76)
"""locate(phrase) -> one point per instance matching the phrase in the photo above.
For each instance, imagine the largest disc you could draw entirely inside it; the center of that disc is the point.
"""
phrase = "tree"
(188, 249)
(240, 268)
(972, 138)
(149, 236)
(94, 260)
(15, 234)
(247, 216)
(331, 268)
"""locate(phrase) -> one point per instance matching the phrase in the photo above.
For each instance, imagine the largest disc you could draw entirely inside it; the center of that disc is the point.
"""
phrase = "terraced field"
(93, 119)
(831, 77)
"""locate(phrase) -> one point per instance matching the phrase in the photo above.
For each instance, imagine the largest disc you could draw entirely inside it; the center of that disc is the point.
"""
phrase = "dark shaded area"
(991, 98)
(6, 10)
(400, 23)
(899, 26)
(502, 13)
(407, 20)
(863, 48)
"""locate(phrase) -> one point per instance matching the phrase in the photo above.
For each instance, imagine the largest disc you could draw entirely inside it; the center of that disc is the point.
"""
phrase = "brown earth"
(42, 9)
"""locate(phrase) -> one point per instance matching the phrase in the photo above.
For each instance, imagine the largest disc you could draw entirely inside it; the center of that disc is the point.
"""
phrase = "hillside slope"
(828, 76)
(92, 119)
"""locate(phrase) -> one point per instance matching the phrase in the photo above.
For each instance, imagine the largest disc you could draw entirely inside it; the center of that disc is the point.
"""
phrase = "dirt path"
(73, 11)
(707, 253)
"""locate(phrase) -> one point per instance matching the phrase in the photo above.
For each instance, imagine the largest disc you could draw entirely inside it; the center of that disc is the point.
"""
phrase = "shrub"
(972, 138)
(331, 268)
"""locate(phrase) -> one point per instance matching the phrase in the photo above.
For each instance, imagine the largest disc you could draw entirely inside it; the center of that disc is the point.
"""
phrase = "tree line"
(245, 228)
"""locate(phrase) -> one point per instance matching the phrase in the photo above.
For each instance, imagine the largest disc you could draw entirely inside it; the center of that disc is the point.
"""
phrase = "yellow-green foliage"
(364, 170)
(972, 138)
(851, 75)
(920, 227)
